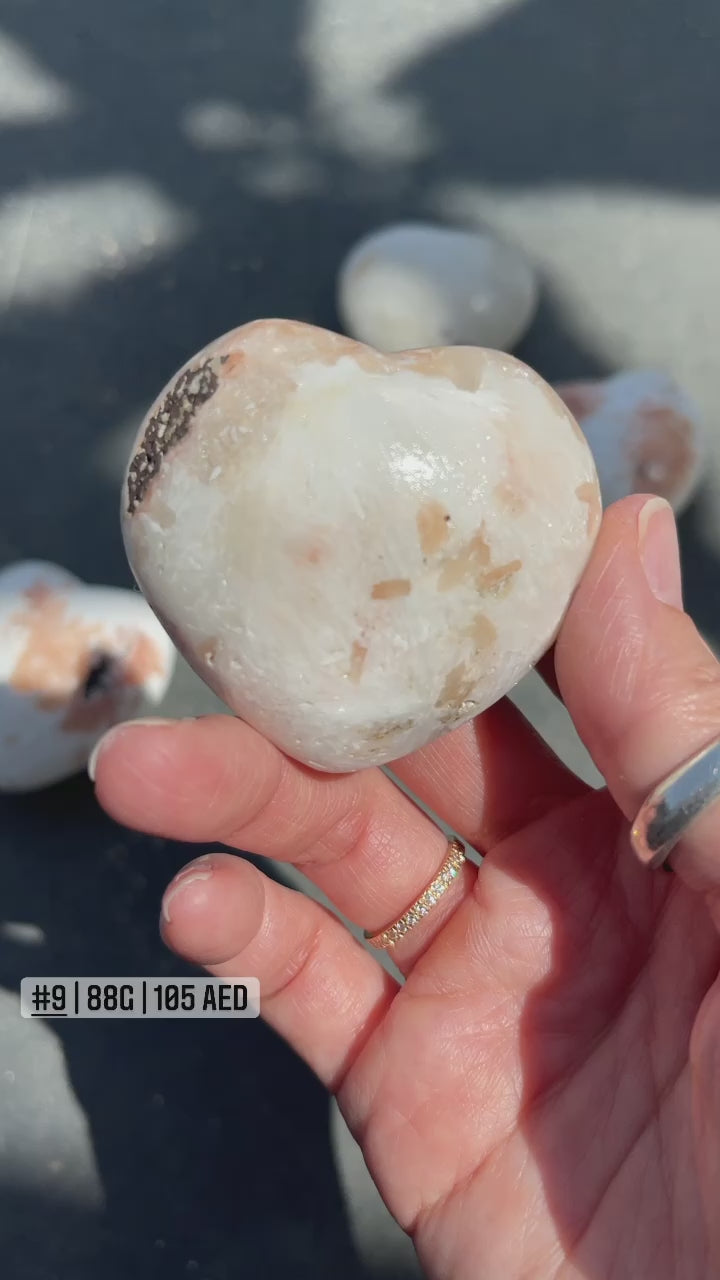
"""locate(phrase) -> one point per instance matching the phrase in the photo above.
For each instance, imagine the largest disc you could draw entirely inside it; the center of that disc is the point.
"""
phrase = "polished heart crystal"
(357, 551)
(416, 284)
(645, 432)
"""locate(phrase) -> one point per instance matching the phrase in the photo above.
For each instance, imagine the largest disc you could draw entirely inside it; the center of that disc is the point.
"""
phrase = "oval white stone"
(74, 660)
(645, 432)
(419, 285)
(357, 551)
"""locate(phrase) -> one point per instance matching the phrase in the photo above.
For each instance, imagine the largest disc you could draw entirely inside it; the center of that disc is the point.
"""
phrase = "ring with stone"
(674, 804)
(385, 938)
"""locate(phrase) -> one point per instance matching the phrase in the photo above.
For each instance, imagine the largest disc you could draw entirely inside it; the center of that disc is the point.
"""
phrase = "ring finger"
(364, 843)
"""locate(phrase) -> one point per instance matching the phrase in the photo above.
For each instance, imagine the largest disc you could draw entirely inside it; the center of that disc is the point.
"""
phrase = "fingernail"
(659, 551)
(199, 869)
(117, 729)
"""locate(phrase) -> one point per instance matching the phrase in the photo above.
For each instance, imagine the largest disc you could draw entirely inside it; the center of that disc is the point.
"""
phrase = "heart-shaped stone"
(74, 660)
(645, 432)
(416, 284)
(357, 551)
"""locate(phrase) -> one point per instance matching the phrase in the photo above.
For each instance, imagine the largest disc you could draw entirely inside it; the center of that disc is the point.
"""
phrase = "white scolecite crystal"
(357, 551)
(74, 660)
(419, 285)
(645, 432)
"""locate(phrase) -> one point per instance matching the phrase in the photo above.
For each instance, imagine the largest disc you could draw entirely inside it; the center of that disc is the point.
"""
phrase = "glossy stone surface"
(74, 660)
(645, 432)
(357, 551)
(415, 284)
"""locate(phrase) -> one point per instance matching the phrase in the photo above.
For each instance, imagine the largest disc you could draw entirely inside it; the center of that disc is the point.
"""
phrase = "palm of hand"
(540, 1098)
(532, 1112)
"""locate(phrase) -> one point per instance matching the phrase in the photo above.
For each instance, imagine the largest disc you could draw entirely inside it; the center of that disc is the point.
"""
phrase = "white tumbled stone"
(357, 551)
(416, 284)
(645, 432)
(74, 660)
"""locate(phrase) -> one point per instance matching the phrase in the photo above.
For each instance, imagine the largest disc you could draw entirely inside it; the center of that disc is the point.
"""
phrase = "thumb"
(640, 683)
(705, 1078)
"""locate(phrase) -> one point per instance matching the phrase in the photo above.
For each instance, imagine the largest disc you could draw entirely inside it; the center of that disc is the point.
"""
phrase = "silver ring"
(674, 804)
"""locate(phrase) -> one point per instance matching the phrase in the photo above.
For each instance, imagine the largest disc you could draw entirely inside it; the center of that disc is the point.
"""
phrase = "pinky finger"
(319, 988)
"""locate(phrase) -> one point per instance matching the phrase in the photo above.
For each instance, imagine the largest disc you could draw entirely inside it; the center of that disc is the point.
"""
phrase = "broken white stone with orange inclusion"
(357, 551)
(74, 660)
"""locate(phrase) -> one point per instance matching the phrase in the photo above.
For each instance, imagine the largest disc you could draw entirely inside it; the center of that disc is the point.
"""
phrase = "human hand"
(541, 1096)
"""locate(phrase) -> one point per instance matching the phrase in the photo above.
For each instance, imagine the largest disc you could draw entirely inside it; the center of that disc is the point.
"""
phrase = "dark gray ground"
(169, 170)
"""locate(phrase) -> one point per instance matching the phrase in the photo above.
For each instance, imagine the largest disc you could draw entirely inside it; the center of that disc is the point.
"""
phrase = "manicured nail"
(199, 869)
(659, 551)
(117, 729)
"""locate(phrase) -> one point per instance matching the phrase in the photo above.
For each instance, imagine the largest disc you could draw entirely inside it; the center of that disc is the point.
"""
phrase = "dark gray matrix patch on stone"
(168, 425)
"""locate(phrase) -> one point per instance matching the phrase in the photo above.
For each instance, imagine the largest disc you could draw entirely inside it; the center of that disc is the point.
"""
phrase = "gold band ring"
(449, 871)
